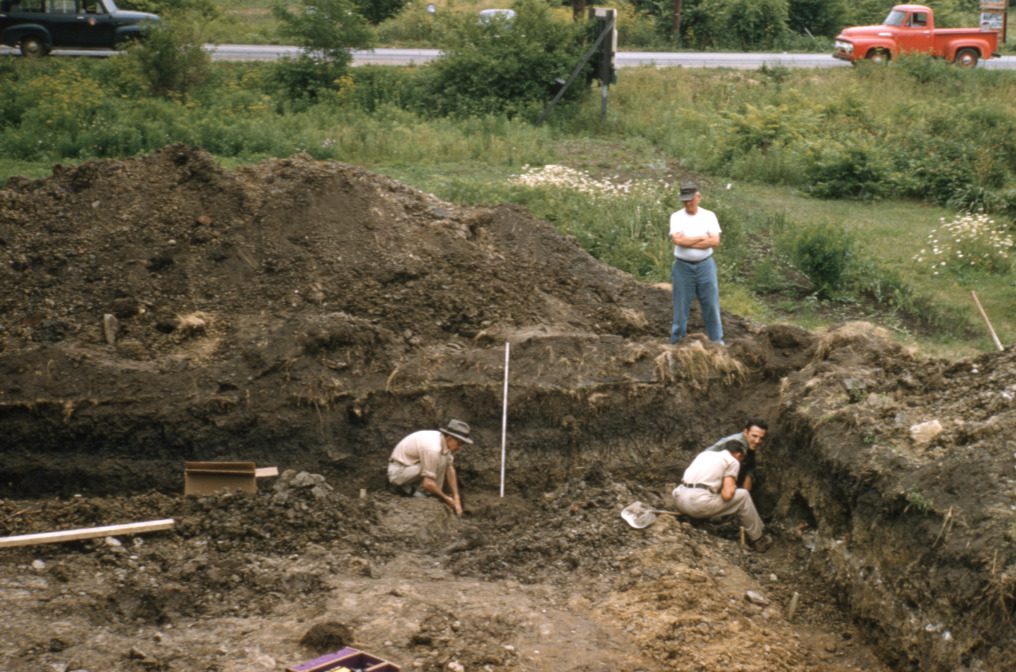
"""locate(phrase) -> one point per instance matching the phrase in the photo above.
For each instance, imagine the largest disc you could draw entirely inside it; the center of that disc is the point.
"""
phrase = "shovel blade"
(638, 515)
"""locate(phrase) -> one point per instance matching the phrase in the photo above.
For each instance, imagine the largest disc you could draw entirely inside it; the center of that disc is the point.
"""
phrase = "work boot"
(762, 544)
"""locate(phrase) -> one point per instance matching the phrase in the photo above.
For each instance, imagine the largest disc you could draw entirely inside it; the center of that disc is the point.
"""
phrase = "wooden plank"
(264, 472)
(86, 533)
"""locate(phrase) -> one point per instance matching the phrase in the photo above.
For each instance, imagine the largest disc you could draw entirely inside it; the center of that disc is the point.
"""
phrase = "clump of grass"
(918, 501)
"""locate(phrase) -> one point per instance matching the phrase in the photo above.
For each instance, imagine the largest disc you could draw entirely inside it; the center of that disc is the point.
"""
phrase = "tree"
(734, 24)
(505, 65)
(818, 17)
(327, 30)
(377, 11)
(171, 61)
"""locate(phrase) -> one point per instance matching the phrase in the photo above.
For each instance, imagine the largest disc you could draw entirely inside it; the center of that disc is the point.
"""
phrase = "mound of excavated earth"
(307, 315)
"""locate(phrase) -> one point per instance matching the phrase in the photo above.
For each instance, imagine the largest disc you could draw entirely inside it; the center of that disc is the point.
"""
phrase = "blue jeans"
(692, 281)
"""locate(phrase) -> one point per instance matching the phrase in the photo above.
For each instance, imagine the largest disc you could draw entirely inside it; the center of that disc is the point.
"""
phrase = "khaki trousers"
(409, 474)
(700, 503)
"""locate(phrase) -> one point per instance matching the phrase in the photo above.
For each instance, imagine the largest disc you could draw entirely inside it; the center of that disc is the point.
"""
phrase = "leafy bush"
(413, 26)
(505, 66)
(327, 30)
(822, 252)
(305, 80)
(925, 69)
(375, 87)
(377, 11)
(817, 17)
(736, 24)
(866, 12)
(171, 61)
(849, 169)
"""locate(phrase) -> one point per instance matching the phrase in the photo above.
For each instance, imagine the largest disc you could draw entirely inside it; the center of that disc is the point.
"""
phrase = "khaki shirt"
(710, 468)
(426, 448)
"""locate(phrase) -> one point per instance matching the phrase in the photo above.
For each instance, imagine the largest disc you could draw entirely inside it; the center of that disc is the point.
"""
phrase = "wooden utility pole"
(677, 21)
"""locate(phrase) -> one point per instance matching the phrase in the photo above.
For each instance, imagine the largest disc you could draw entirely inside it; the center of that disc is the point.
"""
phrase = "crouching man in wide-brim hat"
(423, 463)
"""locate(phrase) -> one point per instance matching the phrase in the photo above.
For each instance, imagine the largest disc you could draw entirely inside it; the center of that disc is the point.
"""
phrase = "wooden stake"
(792, 609)
(85, 533)
(743, 541)
(994, 336)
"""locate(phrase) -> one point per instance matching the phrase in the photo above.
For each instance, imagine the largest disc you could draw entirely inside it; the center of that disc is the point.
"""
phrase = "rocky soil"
(307, 315)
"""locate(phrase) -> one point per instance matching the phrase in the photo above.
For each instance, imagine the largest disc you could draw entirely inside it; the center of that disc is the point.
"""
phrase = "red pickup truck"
(911, 29)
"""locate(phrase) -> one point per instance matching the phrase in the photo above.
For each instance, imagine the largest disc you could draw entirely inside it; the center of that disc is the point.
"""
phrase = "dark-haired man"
(751, 437)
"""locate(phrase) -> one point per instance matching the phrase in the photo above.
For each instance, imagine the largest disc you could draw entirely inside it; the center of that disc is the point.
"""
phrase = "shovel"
(639, 515)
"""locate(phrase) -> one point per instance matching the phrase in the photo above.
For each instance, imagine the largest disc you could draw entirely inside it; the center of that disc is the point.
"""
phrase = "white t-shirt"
(702, 223)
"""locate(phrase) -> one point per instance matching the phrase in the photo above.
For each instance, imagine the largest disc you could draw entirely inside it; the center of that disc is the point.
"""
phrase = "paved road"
(625, 59)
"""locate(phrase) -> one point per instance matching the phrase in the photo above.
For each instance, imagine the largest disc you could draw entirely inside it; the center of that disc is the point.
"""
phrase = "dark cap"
(459, 430)
(688, 190)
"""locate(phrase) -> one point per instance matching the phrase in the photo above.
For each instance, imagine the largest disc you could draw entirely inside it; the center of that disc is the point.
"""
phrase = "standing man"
(751, 437)
(709, 490)
(424, 462)
(695, 233)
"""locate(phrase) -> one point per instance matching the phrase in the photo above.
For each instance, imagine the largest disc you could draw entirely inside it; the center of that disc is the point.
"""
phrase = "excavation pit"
(308, 315)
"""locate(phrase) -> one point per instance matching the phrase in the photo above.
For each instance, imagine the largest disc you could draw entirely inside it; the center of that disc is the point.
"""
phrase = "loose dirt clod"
(309, 314)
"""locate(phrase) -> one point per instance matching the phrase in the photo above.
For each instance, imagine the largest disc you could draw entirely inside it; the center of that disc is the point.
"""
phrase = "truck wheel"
(878, 56)
(33, 47)
(967, 58)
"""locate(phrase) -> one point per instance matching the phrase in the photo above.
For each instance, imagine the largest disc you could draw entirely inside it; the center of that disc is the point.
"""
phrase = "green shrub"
(375, 87)
(924, 69)
(376, 11)
(305, 80)
(850, 169)
(171, 61)
(765, 127)
(413, 26)
(505, 67)
(736, 24)
(642, 30)
(817, 17)
(327, 30)
(823, 252)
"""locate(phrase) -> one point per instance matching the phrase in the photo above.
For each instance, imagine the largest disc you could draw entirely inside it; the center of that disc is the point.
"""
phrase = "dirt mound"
(309, 314)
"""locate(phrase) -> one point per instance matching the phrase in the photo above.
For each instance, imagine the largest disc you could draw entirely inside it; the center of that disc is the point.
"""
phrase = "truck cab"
(38, 26)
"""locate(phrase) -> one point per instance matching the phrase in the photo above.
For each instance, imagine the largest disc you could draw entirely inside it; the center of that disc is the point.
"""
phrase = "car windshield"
(895, 18)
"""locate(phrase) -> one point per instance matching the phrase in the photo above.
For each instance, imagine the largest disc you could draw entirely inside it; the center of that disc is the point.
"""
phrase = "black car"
(38, 26)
